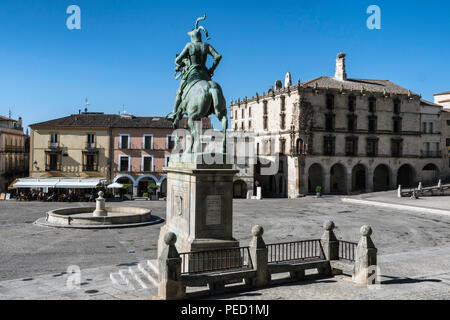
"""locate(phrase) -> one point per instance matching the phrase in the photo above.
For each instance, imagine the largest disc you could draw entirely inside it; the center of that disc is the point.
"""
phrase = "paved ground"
(414, 249)
(428, 202)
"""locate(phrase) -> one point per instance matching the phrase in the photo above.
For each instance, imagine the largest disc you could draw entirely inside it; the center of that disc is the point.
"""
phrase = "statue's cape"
(194, 74)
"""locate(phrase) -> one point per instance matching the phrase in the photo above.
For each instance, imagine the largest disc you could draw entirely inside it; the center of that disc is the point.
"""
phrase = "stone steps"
(141, 277)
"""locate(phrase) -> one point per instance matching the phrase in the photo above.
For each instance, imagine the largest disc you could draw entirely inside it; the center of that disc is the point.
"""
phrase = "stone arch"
(120, 176)
(143, 182)
(155, 179)
(163, 186)
(381, 178)
(315, 177)
(406, 176)
(430, 174)
(359, 181)
(125, 179)
(239, 189)
(338, 179)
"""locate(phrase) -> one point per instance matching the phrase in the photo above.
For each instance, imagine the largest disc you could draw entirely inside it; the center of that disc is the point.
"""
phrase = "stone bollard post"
(170, 286)
(365, 257)
(330, 243)
(399, 191)
(259, 255)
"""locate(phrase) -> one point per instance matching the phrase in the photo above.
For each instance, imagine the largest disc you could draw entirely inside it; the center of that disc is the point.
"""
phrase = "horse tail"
(218, 107)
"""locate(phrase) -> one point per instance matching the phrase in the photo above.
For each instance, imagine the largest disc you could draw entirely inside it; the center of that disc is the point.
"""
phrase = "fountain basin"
(83, 217)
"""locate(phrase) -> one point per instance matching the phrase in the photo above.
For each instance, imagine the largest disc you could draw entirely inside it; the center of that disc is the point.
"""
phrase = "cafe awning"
(61, 183)
(115, 185)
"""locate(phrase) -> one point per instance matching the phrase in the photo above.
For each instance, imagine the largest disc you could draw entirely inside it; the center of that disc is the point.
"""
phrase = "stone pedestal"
(100, 210)
(199, 203)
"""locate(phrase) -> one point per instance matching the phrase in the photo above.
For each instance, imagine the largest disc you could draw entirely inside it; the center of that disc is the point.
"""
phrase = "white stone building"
(343, 134)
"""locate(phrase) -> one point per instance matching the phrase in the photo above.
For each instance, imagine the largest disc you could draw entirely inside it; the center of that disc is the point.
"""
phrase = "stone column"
(326, 184)
(369, 181)
(365, 257)
(393, 179)
(330, 243)
(349, 183)
(170, 286)
(258, 253)
(135, 191)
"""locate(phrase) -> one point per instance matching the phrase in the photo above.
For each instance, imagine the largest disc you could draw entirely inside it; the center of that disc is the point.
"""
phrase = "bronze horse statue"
(198, 96)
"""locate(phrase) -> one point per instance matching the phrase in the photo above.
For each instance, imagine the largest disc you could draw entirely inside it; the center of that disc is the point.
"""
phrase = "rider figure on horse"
(191, 63)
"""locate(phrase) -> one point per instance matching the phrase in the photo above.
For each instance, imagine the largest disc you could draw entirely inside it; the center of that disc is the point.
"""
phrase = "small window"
(283, 103)
(372, 104)
(397, 125)
(249, 112)
(265, 107)
(424, 127)
(372, 147)
(431, 127)
(397, 105)
(372, 124)
(124, 164)
(351, 145)
(329, 122)
(396, 148)
(124, 141)
(283, 121)
(330, 102)
(328, 146)
(54, 138)
(447, 142)
(147, 164)
(148, 142)
(351, 123)
(265, 123)
(351, 103)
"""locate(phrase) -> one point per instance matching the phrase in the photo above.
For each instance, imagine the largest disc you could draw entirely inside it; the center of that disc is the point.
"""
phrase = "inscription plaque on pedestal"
(213, 210)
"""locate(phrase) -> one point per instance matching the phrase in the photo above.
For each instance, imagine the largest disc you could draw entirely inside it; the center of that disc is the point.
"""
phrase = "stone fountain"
(99, 217)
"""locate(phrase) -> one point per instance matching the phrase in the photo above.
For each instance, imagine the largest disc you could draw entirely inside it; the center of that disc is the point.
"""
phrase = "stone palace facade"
(345, 135)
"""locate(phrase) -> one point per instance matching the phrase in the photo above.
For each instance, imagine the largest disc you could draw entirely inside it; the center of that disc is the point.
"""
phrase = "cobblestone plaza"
(414, 250)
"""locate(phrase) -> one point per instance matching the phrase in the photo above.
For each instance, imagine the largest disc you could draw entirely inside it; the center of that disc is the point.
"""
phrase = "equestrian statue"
(198, 96)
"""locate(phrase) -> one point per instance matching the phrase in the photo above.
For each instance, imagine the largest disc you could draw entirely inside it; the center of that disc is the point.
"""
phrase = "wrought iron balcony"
(13, 149)
(430, 154)
(53, 167)
(53, 145)
(91, 146)
(90, 167)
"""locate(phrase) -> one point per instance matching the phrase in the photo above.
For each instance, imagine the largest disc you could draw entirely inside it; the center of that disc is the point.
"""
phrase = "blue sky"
(125, 49)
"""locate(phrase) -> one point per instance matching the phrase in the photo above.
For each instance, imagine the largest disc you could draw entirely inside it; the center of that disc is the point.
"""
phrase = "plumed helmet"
(195, 33)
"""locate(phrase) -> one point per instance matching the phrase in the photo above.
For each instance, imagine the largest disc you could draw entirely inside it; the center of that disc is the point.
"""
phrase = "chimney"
(340, 67)
(288, 80)
(278, 85)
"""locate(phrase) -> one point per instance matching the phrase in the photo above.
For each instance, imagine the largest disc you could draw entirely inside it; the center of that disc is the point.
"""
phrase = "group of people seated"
(53, 196)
